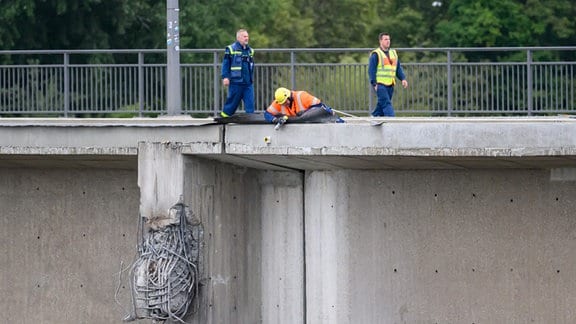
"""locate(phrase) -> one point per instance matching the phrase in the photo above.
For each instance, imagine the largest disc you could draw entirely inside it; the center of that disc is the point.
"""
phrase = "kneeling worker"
(296, 106)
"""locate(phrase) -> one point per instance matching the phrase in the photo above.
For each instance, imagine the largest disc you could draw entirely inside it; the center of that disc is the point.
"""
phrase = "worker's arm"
(372, 66)
(226, 65)
(400, 74)
(272, 118)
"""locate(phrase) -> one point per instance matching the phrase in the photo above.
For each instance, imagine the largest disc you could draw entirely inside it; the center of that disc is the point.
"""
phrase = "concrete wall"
(65, 234)
(253, 267)
(420, 246)
(298, 234)
(227, 200)
(451, 246)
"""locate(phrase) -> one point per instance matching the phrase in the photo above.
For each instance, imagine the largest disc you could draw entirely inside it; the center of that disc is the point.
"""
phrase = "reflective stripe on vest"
(296, 105)
(233, 52)
(272, 109)
(386, 70)
(237, 64)
(300, 106)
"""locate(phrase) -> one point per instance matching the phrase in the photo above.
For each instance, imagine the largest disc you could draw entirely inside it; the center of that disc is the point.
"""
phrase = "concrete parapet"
(411, 143)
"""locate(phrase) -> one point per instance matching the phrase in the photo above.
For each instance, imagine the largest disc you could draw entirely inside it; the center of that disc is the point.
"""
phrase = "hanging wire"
(165, 276)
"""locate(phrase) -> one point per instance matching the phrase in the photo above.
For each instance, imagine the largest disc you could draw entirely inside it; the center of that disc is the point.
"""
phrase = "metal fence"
(443, 81)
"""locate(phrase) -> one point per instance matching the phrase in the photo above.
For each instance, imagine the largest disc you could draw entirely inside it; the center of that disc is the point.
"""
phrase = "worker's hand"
(405, 84)
(300, 113)
(225, 82)
(280, 120)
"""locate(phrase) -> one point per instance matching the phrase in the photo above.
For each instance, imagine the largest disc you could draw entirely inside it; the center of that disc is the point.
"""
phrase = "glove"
(280, 120)
(328, 109)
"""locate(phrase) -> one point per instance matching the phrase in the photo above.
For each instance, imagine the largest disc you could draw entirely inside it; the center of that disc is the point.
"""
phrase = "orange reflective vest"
(301, 101)
(386, 70)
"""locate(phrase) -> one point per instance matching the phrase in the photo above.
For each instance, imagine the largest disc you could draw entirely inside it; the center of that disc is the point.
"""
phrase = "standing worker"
(383, 69)
(238, 75)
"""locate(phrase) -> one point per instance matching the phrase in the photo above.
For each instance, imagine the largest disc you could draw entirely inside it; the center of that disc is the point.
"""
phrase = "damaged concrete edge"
(173, 121)
(117, 151)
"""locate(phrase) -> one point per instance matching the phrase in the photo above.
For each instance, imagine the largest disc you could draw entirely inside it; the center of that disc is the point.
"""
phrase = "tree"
(484, 24)
(271, 23)
(80, 24)
(114, 24)
(342, 23)
(552, 22)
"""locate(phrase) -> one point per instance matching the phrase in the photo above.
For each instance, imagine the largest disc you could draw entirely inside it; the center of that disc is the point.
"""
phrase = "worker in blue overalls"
(238, 75)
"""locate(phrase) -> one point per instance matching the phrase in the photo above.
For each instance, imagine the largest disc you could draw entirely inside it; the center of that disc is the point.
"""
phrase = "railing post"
(216, 85)
(370, 97)
(66, 84)
(140, 84)
(173, 86)
(292, 70)
(529, 81)
(449, 77)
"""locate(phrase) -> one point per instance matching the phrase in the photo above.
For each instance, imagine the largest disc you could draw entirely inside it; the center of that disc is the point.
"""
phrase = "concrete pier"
(418, 220)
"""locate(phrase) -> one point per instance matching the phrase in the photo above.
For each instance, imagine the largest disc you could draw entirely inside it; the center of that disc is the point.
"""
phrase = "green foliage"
(508, 23)
(79, 24)
(141, 24)
(98, 24)
(340, 24)
(270, 23)
(484, 24)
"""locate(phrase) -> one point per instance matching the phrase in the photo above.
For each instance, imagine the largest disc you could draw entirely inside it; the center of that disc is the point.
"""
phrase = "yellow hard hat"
(281, 95)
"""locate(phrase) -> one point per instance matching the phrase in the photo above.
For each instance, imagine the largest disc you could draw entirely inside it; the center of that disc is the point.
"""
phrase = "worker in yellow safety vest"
(383, 69)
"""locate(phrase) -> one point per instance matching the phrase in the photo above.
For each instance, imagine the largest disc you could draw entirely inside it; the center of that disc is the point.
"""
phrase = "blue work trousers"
(236, 93)
(384, 105)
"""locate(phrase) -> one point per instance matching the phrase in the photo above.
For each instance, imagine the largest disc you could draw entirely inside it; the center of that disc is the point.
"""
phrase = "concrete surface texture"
(477, 246)
(414, 221)
(66, 235)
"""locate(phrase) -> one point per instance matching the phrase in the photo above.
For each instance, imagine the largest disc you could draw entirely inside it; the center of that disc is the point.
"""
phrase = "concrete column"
(160, 177)
(282, 248)
(326, 253)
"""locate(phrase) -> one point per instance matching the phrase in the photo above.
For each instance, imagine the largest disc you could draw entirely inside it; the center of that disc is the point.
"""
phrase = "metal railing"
(443, 81)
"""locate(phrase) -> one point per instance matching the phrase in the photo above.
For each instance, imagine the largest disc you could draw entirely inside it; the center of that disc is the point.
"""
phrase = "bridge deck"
(398, 143)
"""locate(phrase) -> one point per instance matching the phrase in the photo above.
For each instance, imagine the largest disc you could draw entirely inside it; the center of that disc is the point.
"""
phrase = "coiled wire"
(164, 277)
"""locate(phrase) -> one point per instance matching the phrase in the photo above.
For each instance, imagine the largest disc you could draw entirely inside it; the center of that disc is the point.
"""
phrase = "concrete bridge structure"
(419, 220)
